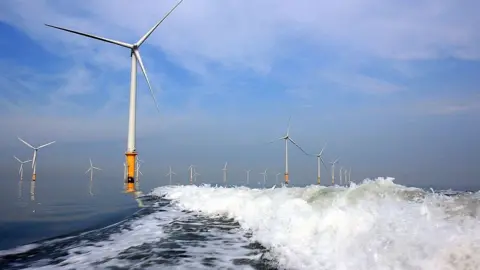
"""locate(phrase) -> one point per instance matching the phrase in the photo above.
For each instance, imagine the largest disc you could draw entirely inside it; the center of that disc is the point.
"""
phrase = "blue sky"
(391, 86)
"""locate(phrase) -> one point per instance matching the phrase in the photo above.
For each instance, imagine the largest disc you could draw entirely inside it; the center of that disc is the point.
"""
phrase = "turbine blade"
(96, 168)
(17, 159)
(139, 59)
(321, 159)
(119, 43)
(298, 146)
(91, 165)
(323, 148)
(336, 160)
(140, 172)
(140, 42)
(88, 170)
(20, 170)
(41, 146)
(288, 127)
(174, 173)
(26, 143)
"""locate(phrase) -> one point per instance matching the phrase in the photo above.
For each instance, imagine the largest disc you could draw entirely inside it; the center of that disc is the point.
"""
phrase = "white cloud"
(251, 34)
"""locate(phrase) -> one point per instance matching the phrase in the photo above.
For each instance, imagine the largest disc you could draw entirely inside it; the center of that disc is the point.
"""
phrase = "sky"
(390, 86)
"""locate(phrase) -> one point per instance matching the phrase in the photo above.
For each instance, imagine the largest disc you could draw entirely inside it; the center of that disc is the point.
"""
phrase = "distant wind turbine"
(276, 177)
(170, 173)
(288, 138)
(90, 169)
(195, 174)
(320, 160)
(34, 159)
(264, 177)
(225, 173)
(350, 175)
(191, 167)
(135, 55)
(139, 161)
(333, 169)
(248, 176)
(20, 171)
(345, 177)
(340, 173)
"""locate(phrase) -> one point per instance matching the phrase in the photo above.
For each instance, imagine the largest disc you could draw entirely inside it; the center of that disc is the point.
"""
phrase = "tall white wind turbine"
(20, 171)
(276, 178)
(135, 55)
(264, 177)
(248, 176)
(333, 169)
(350, 175)
(288, 138)
(170, 173)
(320, 160)
(34, 159)
(225, 173)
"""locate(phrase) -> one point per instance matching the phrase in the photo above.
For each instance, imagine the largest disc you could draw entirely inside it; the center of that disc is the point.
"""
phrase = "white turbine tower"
(90, 169)
(350, 175)
(340, 173)
(34, 159)
(191, 168)
(345, 179)
(248, 176)
(320, 160)
(333, 169)
(288, 138)
(170, 173)
(225, 173)
(135, 55)
(20, 171)
(264, 177)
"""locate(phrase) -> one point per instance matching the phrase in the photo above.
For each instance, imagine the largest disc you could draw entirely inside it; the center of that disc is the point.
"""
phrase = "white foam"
(375, 225)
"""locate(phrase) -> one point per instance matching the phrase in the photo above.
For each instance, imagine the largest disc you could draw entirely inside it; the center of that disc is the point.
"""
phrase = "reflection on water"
(32, 190)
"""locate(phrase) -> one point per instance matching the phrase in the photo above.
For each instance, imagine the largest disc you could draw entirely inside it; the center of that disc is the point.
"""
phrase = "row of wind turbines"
(344, 173)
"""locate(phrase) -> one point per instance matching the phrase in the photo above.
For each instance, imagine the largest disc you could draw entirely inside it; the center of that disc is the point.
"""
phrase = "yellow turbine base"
(34, 177)
(131, 158)
(286, 178)
(130, 188)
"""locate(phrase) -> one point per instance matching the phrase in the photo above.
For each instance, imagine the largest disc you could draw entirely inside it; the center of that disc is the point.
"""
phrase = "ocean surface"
(373, 225)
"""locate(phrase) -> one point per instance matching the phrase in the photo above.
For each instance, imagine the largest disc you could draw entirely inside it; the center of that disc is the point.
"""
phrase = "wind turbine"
(350, 175)
(288, 138)
(21, 166)
(225, 173)
(264, 177)
(340, 173)
(248, 176)
(276, 178)
(195, 174)
(170, 173)
(333, 170)
(191, 173)
(34, 160)
(345, 176)
(135, 55)
(91, 174)
(320, 159)
(139, 161)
